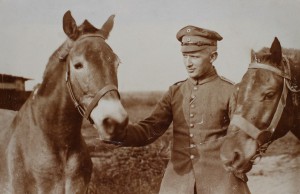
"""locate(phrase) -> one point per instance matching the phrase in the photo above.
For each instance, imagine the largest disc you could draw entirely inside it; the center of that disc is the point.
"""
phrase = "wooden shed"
(12, 91)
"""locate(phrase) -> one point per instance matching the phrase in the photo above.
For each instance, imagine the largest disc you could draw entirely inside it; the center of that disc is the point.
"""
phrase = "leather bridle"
(108, 88)
(264, 136)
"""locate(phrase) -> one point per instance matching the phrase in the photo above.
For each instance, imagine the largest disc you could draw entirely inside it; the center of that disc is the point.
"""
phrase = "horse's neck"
(288, 118)
(295, 75)
(291, 114)
(60, 119)
(53, 110)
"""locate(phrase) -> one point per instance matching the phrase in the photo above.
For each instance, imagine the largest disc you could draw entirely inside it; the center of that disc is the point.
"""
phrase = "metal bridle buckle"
(259, 153)
(256, 159)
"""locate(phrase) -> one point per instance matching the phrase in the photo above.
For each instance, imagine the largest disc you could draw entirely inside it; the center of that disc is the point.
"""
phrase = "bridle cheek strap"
(85, 113)
(280, 107)
(97, 97)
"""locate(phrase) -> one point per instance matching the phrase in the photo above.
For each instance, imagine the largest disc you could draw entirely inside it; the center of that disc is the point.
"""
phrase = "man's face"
(197, 63)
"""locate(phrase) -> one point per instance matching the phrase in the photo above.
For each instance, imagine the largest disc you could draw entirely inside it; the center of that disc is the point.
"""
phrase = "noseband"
(108, 88)
(264, 136)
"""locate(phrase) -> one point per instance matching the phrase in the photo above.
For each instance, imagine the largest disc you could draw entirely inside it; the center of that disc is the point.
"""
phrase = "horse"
(43, 150)
(267, 104)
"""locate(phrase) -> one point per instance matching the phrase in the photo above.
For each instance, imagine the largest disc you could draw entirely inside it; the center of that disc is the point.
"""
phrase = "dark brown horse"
(43, 150)
(267, 107)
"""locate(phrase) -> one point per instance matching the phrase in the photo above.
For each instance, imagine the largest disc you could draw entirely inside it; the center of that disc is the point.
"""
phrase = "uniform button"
(191, 135)
(192, 157)
(193, 145)
(191, 125)
(193, 96)
(192, 106)
(191, 115)
(195, 88)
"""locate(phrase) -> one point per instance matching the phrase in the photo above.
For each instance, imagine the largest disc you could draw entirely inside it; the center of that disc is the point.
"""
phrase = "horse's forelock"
(265, 56)
(87, 27)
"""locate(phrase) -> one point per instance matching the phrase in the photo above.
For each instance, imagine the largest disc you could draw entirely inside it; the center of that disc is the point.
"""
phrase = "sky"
(144, 34)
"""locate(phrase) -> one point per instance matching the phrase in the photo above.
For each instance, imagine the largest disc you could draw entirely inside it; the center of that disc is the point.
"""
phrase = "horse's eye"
(78, 66)
(269, 96)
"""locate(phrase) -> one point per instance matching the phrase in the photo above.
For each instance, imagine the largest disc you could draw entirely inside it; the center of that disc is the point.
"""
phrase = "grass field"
(139, 170)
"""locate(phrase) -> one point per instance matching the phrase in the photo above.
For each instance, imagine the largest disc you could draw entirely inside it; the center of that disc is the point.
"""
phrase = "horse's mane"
(291, 53)
(53, 68)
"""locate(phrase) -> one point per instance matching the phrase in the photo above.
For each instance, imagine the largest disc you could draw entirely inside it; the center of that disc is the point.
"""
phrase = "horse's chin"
(115, 138)
(103, 135)
(239, 172)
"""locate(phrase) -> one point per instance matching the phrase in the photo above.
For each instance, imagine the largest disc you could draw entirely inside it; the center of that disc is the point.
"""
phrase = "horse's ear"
(276, 52)
(69, 26)
(253, 56)
(107, 26)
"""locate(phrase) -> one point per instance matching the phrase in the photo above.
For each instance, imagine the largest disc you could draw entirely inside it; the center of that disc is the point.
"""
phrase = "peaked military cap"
(193, 38)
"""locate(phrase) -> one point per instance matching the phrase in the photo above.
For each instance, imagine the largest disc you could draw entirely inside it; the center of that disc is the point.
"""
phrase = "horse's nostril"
(109, 124)
(229, 160)
(236, 156)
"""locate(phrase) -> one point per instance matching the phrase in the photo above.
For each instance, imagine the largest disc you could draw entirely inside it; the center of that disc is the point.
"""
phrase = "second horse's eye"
(78, 66)
(269, 96)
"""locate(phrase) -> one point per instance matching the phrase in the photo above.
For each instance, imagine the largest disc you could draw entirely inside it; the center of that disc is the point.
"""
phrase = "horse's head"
(260, 99)
(91, 75)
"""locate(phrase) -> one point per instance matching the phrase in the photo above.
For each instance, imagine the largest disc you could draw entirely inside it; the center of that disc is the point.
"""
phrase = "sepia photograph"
(150, 97)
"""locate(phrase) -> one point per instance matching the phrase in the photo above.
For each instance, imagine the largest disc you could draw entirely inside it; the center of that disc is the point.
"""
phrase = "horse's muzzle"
(110, 118)
(237, 150)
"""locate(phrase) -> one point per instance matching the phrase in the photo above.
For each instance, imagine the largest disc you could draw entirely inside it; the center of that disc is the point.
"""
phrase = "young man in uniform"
(199, 108)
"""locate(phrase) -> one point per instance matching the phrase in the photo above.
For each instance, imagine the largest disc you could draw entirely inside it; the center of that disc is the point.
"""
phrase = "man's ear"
(213, 56)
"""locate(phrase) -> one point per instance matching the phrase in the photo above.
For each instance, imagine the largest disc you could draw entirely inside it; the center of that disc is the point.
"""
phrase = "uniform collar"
(208, 77)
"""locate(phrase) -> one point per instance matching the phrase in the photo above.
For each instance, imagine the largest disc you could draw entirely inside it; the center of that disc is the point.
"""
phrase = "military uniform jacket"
(200, 113)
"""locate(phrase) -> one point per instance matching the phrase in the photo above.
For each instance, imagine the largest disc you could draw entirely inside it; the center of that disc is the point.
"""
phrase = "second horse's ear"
(253, 56)
(276, 51)
(107, 26)
(69, 26)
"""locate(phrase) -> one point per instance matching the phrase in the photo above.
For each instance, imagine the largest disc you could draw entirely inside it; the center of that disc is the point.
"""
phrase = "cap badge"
(188, 30)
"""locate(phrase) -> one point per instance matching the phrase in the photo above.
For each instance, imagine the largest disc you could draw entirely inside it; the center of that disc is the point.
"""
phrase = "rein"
(108, 88)
(264, 136)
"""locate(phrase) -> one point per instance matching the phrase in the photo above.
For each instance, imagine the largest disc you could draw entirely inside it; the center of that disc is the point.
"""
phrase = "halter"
(263, 137)
(108, 88)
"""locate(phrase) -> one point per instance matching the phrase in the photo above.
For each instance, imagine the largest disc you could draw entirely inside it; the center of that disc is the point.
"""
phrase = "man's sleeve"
(148, 130)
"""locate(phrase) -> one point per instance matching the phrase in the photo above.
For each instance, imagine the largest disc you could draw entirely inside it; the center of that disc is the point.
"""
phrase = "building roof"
(10, 78)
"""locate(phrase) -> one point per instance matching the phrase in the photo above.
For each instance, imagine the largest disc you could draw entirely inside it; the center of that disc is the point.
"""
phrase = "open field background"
(119, 170)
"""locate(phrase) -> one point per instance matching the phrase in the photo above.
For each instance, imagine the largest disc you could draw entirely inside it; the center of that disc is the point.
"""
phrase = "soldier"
(199, 108)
